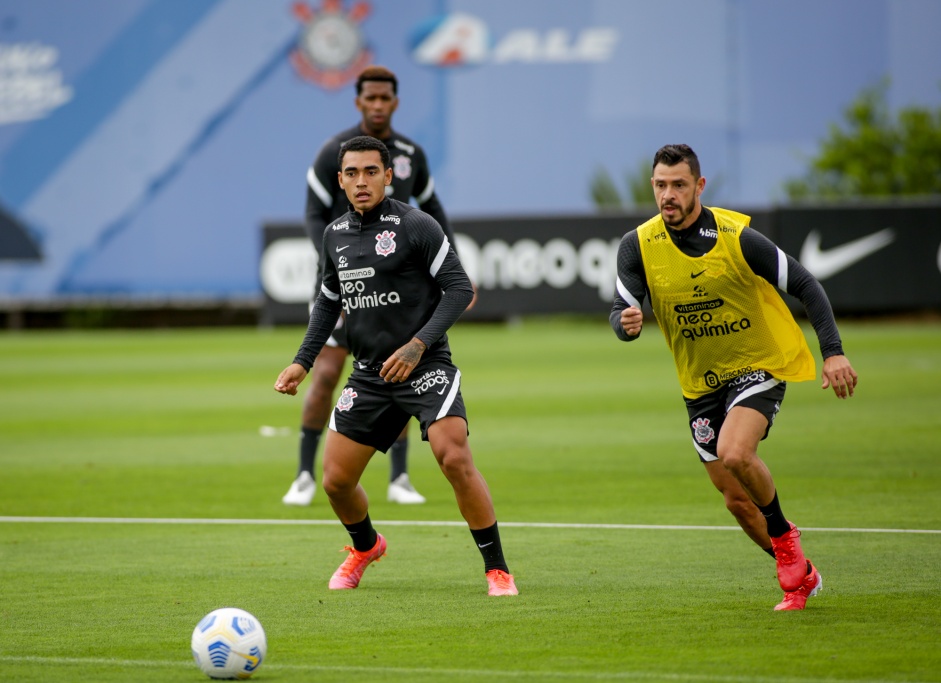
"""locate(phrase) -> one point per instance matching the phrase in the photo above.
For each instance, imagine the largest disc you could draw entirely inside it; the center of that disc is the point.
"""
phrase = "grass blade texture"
(142, 475)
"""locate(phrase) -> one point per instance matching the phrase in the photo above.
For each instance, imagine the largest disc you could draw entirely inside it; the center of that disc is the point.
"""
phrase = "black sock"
(363, 535)
(309, 440)
(777, 524)
(398, 459)
(770, 551)
(488, 542)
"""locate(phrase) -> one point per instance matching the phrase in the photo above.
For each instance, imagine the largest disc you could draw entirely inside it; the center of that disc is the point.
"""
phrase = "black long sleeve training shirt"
(396, 276)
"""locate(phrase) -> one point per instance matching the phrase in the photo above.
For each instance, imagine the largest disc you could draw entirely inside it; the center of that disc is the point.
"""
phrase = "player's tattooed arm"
(400, 364)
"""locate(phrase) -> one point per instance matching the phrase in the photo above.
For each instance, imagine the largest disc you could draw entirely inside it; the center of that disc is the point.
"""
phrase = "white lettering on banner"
(560, 261)
(288, 270)
(527, 264)
(459, 39)
(30, 84)
(556, 45)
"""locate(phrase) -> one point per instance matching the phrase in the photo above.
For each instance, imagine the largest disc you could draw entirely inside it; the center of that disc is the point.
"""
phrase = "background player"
(711, 282)
(376, 100)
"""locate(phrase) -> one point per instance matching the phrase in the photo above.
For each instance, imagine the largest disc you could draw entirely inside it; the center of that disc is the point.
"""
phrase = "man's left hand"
(400, 364)
(838, 373)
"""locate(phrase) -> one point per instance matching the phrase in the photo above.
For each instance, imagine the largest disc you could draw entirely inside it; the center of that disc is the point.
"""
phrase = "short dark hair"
(671, 155)
(377, 73)
(365, 143)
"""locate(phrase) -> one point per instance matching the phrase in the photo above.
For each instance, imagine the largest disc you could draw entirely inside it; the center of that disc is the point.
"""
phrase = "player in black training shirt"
(376, 100)
(712, 283)
(390, 269)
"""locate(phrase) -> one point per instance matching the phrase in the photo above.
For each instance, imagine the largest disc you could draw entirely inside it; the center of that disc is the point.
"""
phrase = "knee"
(455, 462)
(330, 485)
(335, 485)
(734, 458)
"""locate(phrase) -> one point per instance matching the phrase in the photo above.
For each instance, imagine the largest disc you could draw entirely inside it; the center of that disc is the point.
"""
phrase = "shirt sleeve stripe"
(439, 258)
(782, 270)
(626, 295)
(427, 192)
(314, 183)
(333, 296)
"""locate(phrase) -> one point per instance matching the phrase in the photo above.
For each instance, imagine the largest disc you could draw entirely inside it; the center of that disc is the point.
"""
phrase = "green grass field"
(583, 441)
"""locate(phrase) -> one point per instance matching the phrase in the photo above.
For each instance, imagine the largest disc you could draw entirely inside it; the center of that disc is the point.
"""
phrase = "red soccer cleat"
(500, 583)
(351, 571)
(792, 565)
(813, 584)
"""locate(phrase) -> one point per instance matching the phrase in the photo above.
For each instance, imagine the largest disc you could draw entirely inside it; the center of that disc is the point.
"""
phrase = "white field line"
(411, 672)
(332, 522)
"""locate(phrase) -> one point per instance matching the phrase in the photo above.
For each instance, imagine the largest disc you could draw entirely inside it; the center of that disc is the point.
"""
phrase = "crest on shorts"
(385, 243)
(345, 401)
(702, 431)
(402, 167)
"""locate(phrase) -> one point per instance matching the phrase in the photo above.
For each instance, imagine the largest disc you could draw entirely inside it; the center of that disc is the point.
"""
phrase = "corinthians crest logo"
(702, 431)
(331, 49)
(385, 243)
(345, 401)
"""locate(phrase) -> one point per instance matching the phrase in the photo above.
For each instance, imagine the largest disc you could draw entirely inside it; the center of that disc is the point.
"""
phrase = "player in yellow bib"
(713, 286)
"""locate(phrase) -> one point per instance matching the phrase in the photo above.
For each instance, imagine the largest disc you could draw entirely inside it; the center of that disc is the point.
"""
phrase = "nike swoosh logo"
(484, 545)
(695, 275)
(824, 263)
(339, 249)
(443, 389)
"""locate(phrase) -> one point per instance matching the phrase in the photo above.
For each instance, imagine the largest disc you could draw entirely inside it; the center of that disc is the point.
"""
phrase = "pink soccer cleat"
(792, 565)
(813, 584)
(500, 583)
(351, 571)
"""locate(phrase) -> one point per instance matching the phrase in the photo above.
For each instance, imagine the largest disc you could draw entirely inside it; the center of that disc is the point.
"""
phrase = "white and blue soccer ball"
(229, 643)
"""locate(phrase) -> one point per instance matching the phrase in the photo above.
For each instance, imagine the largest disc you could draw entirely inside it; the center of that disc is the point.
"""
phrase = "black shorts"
(757, 390)
(373, 412)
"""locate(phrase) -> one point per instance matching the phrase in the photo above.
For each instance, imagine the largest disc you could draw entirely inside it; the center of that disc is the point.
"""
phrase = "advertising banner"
(871, 259)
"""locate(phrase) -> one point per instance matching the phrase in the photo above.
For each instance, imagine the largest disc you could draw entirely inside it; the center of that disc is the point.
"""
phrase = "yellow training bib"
(719, 319)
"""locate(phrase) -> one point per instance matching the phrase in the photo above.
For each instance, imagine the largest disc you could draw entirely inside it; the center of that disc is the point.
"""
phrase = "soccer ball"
(229, 643)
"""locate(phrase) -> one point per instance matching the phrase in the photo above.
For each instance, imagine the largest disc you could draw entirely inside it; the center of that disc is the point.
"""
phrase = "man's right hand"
(290, 378)
(632, 320)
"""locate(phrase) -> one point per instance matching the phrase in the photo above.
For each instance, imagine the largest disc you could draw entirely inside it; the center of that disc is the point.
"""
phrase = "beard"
(683, 213)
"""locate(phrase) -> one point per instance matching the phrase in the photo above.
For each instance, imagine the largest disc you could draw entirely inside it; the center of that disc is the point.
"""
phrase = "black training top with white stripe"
(396, 276)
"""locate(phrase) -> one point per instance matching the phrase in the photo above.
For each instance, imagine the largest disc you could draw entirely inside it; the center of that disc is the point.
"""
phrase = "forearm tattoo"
(411, 352)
